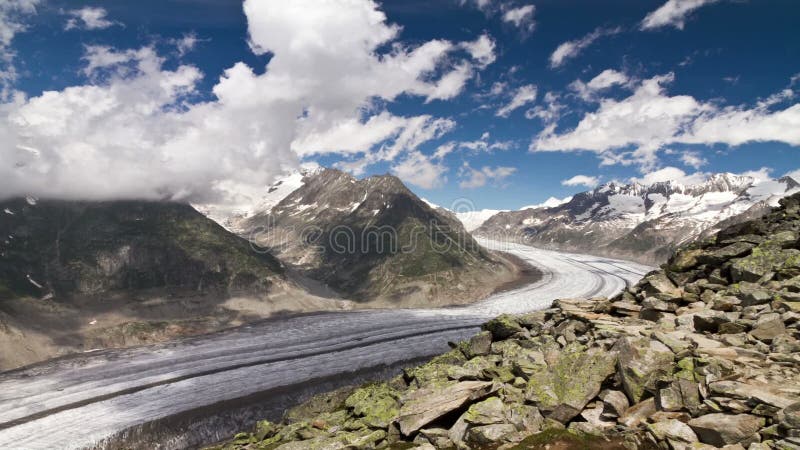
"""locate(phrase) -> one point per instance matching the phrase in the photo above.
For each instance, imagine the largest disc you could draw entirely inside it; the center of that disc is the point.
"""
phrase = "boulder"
(723, 254)
(486, 412)
(638, 413)
(616, 403)
(376, 404)
(789, 417)
(641, 364)
(659, 283)
(490, 434)
(685, 260)
(503, 327)
(724, 429)
(567, 384)
(673, 431)
(764, 259)
(422, 406)
(478, 345)
(768, 327)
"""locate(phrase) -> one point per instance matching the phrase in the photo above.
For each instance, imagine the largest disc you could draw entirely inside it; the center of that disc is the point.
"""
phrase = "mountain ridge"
(637, 221)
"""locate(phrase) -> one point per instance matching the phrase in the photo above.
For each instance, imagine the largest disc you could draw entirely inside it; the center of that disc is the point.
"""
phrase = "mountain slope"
(82, 275)
(374, 239)
(643, 223)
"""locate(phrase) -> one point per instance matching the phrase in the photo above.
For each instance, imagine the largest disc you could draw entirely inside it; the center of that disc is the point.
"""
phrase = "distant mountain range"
(640, 222)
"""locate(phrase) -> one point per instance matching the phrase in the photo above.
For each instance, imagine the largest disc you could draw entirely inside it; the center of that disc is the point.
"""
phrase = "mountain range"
(645, 223)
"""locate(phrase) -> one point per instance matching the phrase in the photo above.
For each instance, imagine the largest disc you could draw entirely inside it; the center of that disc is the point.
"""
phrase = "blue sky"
(115, 98)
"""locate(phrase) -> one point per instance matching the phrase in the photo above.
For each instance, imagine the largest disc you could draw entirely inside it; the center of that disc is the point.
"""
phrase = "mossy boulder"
(642, 364)
(376, 404)
(503, 327)
(564, 387)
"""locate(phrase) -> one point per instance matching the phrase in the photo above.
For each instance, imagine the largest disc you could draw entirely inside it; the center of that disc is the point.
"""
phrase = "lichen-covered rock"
(566, 385)
(641, 364)
(376, 404)
(503, 327)
(422, 406)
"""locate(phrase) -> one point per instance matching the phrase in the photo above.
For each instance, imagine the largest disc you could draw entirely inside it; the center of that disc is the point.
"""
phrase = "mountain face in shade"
(59, 249)
(639, 222)
(373, 238)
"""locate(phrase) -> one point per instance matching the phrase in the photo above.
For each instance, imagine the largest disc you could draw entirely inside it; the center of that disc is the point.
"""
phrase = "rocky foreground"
(702, 354)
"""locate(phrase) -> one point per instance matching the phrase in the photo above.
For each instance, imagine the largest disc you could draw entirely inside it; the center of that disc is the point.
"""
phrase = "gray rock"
(641, 364)
(615, 402)
(503, 327)
(490, 434)
(570, 381)
(478, 345)
(768, 327)
(673, 430)
(422, 406)
(789, 417)
(724, 429)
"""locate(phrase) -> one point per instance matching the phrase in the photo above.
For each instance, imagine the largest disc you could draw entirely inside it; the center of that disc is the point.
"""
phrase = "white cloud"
(474, 178)
(484, 144)
(137, 130)
(521, 17)
(632, 130)
(606, 79)
(571, 49)
(673, 13)
(88, 18)
(582, 180)
(12, 21)
(693, 159)
(482, 50)
(524, 95)
(551, 202)
(795, 175)
(483, 5)
(645, 120)
(421, 171)
(670, 174)
(550, 112)
(186, 43)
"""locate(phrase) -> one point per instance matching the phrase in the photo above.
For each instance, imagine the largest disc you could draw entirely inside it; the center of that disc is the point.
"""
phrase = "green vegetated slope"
(701, 354)
(66, 248)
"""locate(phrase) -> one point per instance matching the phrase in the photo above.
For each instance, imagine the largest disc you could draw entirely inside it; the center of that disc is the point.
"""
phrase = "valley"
(119, 390)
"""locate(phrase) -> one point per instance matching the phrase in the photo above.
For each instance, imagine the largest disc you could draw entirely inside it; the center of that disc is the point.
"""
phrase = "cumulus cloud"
(670, 174)
(693, 159)
(12, 21)
(137, 130)
(475, 178)
(88, 18)
(420, 170)
(523, 96)
(521, 17)
(605, 80)
(582, 180)
(673, 13)
(482, 50)
(632, 130)
(571, 49)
